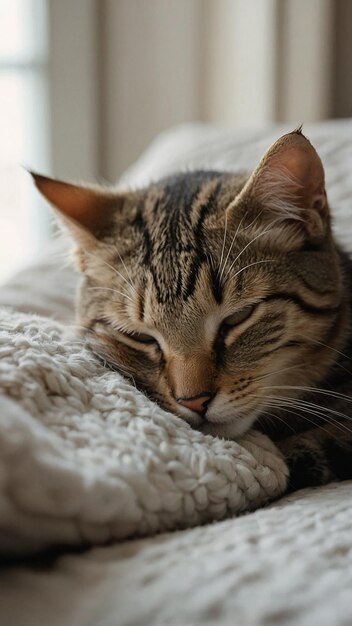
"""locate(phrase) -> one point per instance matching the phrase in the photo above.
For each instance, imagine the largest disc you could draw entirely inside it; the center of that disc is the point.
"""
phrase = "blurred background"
(85, 85)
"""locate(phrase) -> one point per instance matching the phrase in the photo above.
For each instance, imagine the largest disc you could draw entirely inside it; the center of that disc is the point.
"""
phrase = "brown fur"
(176, 261)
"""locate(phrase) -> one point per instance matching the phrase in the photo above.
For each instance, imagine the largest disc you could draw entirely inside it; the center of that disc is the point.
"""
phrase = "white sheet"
(290, 564)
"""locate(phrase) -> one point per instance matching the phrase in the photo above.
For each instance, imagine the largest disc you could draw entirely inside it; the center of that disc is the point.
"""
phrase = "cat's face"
(211, 293)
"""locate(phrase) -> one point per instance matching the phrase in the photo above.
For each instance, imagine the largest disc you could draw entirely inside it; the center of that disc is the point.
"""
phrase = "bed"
(233, 552)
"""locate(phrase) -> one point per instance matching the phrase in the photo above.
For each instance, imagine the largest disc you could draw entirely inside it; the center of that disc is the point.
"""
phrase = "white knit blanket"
(86, 458)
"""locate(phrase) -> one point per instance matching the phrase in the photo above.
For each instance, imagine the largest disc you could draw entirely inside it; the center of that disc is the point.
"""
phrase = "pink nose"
(196, 403)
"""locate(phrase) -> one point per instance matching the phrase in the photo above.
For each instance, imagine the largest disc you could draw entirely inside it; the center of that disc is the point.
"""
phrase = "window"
(24, 130)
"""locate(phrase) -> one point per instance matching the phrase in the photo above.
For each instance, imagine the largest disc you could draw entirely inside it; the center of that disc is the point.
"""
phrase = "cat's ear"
(289, 184)
(85, 211)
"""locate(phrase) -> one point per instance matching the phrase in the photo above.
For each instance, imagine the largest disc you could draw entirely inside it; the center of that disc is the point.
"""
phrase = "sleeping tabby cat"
(226, 299)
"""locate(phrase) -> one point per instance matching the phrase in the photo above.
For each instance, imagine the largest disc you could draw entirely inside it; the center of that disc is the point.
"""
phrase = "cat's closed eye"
(143, 338)
(231, 322)
(235, 319)
(239, 316)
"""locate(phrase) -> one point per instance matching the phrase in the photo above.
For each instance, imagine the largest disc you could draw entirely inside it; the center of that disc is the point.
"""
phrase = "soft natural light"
(23, 115)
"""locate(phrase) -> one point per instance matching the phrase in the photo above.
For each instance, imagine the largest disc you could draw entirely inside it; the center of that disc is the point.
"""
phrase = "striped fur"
(167, 271)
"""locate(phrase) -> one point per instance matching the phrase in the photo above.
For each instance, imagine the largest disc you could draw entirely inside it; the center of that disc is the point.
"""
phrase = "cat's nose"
(196, 403)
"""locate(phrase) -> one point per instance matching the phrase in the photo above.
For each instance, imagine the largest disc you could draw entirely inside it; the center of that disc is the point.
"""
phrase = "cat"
(226, 299)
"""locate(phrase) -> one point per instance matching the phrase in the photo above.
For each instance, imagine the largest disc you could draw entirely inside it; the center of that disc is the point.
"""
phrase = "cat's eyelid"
(217, 320)
(239, 316)
(144, 338)
(133, 334)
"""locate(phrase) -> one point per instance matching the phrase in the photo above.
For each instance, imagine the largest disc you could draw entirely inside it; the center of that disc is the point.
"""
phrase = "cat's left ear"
(289, 184)
(85, 211)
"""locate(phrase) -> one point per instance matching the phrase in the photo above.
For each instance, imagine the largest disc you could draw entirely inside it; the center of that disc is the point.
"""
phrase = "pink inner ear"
(296, 156)
(78, 203)
(74, 202)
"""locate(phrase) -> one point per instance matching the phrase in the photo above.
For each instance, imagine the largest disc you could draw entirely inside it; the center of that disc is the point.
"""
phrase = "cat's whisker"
(120, 275)
(113, 290)
(126, 270)
(273, 419)
(327, 419)
(292, 405)
(326, 392)
(279, 371)
(223, 246)
(119, 369)
(313, 409)
(233, 276)
(100, 260)
(309, 404)
(264, 232)
(230, 248)
(127, 375)
(304, 417)
(301, 404)
(123, 370)
(325, 345)
(253, 221)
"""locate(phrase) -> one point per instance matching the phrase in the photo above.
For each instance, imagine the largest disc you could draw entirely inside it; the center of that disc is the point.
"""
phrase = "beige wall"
(73, 88)
(150, 64)
(342, 60)
(239, 48)
(124, 70)
(306, 55)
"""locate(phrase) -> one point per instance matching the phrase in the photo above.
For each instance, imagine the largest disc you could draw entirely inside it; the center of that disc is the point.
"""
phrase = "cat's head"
(216, 294)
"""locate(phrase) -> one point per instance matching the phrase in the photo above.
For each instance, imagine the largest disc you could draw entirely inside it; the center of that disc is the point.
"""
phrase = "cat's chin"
(227, 430)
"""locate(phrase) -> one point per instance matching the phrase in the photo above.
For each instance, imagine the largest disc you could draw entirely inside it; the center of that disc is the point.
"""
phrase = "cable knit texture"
(86, 458)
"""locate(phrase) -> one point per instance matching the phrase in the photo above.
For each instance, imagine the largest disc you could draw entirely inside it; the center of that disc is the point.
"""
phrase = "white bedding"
(85, 458)
(290, 563)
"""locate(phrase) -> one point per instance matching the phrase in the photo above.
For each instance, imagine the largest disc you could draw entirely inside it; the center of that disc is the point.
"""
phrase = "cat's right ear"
(288, 189)
(87, 212)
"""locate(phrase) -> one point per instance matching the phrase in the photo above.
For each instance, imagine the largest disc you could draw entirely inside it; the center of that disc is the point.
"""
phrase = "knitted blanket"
(85, 458)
